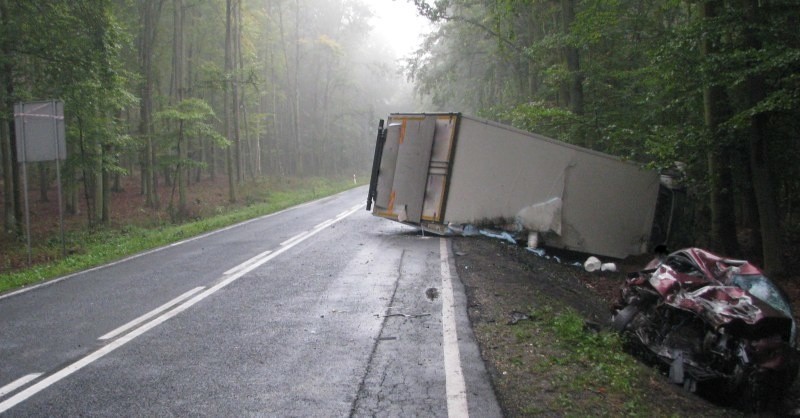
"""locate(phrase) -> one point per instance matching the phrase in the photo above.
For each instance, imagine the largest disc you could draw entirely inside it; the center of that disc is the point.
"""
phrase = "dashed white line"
(22, 381)
(150, 314)
(293, 239)
(240, 271)
(455, 387)
(247, 263)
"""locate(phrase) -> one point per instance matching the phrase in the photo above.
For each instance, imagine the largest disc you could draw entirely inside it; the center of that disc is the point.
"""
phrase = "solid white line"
(119, 342)
(150, 314)
(216, 231)
(455, 387)
(22, 381)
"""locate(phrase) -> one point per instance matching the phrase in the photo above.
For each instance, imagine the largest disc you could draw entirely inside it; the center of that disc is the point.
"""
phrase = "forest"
(708, 90)
(174, 91)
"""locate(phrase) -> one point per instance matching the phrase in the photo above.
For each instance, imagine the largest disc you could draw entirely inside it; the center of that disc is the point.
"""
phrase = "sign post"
(39, 128)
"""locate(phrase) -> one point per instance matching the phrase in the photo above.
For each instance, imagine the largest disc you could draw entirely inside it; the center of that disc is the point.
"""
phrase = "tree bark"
(575, 83)
(12, 206)
(150, 12)
(226, 102)
(758, 140)
(716, 110)
(178, 59)
(234, 74)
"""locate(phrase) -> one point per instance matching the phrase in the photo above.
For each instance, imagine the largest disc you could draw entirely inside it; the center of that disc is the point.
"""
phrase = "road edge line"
(455, 387)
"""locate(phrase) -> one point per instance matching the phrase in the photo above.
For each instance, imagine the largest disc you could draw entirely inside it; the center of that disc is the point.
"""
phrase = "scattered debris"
(406, 315)
(608, 267)
(538, 251)
(592, 264)
(517, 316)
(499, 235)
(463, 230)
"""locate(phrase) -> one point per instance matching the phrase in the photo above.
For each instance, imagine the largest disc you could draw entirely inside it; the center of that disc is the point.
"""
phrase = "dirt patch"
(505, 282)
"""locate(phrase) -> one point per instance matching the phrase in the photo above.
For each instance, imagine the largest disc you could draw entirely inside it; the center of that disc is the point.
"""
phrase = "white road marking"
(324, 224)
(22, 381)
(150, 314)
(455, 387)
(293, 239)
(247, 263)
(119, 342)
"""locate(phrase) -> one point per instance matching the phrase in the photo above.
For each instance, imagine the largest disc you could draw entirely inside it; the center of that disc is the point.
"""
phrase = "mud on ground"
(501, 279)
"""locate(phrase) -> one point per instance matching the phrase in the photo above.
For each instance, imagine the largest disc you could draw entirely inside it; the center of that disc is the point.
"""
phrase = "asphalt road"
(319, 310)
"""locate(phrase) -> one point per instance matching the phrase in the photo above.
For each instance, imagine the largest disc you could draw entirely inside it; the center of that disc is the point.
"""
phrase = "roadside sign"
(40, 131)
(40, 136)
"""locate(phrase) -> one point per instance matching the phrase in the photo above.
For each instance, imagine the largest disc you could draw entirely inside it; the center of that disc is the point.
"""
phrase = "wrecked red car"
(712, 323)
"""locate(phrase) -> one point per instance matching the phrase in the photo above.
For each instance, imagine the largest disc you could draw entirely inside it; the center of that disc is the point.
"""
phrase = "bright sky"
(398, 20)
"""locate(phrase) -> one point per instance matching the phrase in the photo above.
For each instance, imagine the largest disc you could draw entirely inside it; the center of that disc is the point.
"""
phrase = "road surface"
(319, 310)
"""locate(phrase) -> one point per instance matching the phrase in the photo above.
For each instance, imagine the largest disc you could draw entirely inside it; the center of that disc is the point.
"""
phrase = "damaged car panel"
(710, 319)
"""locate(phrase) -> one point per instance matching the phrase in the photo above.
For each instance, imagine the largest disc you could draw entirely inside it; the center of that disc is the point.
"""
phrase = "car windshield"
(762, 288)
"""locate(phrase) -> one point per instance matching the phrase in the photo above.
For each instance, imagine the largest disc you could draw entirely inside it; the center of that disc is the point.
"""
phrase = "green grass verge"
(93, 248)
(554, 365)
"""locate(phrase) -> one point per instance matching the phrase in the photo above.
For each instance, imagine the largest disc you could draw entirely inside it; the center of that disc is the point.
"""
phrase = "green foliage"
(540, 118)
(195, 117)
(643, 68)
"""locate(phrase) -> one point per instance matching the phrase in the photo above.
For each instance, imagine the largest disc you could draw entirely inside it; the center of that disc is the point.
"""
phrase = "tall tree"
(229, 98)
(716, 110)
(150, 12)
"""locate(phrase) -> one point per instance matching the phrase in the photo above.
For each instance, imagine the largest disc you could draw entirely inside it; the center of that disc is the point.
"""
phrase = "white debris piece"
(608, 267)
(533, 239)
(592, 264)
(499, 235)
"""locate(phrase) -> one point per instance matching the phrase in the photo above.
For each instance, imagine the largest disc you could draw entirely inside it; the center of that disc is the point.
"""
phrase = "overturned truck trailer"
(442, 171)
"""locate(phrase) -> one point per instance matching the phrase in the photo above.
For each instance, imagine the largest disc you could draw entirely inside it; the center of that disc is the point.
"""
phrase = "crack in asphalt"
(360, 393)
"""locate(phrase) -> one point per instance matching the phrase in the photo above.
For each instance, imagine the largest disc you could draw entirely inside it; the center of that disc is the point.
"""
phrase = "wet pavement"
(322, 310)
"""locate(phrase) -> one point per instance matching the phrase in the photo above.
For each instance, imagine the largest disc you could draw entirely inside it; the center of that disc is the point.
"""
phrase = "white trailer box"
(441, 170)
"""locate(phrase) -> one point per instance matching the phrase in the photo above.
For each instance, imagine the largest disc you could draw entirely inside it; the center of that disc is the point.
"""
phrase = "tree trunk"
(575, 82)
(235, 41)
(151, 10)
(226, 103)
(105, 186)
(716, 111)
(758, 140)
(177, 76)
(12, 206)
(296, 72)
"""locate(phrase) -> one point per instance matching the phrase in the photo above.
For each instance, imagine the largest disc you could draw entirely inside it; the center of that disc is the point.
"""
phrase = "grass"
(100, 246)
(587, 372)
